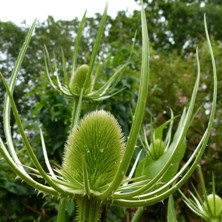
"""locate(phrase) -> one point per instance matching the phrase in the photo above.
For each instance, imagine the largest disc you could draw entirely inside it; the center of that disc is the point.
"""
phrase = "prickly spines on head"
(98, 141)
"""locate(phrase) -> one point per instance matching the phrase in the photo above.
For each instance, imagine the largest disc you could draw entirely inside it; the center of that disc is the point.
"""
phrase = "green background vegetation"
(176, 28)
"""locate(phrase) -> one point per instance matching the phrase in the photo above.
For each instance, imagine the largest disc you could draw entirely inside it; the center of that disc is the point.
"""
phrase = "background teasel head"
(82, 77)
(77, 81)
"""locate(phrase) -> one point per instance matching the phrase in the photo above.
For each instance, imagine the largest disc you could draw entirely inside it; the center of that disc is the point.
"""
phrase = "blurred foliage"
(175, 29)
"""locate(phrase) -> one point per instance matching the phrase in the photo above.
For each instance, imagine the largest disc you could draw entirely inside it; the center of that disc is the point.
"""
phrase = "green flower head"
(94, 150)
(78, 78)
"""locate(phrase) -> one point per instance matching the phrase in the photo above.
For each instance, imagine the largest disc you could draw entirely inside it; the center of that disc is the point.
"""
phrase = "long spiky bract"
(139, 112)
(26, 142)
(77, 43)
(12, 158)
(96, 45)
(7, 111)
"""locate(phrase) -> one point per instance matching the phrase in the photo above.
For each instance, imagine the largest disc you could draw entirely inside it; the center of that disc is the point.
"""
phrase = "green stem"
(61, 210)
(73, 112)
(77, 103)
(138, 214)
(89, 209)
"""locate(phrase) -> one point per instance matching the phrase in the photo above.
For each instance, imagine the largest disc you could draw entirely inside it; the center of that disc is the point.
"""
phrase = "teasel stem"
(89, 209)
(138, 214)
(61, 210)
(77, 103)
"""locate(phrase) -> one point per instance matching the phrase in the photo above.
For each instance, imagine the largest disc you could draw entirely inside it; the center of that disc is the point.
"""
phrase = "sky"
(18, 11)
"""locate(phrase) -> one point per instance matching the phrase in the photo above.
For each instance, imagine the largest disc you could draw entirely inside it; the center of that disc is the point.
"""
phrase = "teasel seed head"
(94, 149)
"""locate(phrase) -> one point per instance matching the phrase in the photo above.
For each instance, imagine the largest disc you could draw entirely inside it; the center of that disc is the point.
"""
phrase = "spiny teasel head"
(78, 78)
(94, 150)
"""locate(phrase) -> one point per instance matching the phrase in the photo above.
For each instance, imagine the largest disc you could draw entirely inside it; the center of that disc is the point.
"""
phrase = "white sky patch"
(19, 11)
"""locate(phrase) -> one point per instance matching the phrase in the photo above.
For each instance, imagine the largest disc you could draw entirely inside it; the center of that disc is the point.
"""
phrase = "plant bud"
(95, 146)
(156, 149)
(215, 205)
(77, 80)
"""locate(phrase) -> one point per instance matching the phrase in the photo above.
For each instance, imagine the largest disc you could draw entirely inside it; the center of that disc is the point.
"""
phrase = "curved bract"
(97, 158)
